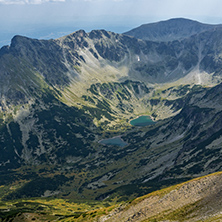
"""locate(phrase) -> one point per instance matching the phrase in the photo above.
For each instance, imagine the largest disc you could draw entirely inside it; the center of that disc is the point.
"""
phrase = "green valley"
(70, 147)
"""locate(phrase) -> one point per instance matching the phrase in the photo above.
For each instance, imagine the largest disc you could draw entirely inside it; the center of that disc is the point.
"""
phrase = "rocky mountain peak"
(98, 34)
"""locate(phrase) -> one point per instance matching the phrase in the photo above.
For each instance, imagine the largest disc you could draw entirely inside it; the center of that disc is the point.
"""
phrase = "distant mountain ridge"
(170, 30)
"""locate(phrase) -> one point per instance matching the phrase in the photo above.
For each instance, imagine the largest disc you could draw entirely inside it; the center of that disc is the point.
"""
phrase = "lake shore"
(116, 140)
(142, 120)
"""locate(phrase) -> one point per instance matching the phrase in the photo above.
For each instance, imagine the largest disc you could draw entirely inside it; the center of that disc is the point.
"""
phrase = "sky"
(46, 19)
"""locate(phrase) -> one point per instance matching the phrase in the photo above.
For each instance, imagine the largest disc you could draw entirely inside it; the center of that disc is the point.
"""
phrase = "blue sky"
(54, 18)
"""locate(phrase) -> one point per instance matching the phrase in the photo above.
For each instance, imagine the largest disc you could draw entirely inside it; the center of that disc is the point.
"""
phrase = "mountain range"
(59, 98)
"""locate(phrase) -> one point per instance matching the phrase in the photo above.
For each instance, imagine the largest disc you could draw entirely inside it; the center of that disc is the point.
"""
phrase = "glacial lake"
(142, 121)
(113, 141)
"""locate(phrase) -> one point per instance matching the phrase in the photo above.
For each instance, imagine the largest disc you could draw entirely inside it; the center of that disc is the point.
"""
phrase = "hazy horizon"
(45, 19)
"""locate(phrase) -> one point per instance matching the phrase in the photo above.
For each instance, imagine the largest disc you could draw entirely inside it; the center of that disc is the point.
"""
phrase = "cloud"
(23, 2)
(101, 1)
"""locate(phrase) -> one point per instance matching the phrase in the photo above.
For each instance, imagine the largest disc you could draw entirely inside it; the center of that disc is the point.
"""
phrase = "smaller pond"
(114, 141)
(142, 121)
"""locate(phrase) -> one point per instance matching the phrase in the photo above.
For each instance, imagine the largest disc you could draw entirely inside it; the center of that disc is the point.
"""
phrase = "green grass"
(89, 210)
(58, 209)
(182, 214)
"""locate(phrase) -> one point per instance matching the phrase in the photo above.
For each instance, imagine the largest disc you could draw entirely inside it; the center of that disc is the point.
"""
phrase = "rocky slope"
(196, 200)
(175, 149)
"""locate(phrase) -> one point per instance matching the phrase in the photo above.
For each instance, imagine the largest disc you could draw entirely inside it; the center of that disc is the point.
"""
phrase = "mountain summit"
(170, 30)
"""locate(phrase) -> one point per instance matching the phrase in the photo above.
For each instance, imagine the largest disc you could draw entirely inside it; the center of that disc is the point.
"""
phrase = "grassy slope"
(195, 200)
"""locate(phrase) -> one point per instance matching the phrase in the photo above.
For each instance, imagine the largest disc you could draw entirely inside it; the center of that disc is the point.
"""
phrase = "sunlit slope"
(196, 200)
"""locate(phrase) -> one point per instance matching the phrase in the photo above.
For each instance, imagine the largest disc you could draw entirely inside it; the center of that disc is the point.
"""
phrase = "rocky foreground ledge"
(196, 200)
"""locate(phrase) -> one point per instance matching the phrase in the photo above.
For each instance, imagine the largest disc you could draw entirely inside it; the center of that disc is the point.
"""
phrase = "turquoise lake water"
(118, 141)
(113, 141)
(142, 121)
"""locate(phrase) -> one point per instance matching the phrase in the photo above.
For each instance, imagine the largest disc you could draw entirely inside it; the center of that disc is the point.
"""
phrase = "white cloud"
(102, 1)
(23, 2)
(10, 2)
